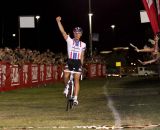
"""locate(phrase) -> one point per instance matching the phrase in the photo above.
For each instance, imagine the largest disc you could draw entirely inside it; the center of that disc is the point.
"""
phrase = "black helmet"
(77, 30)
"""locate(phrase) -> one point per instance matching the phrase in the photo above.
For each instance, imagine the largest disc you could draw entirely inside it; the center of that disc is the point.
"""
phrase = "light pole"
(90, 28)
(19, 33)
(113, 32)
(37, 28)
(2, 31)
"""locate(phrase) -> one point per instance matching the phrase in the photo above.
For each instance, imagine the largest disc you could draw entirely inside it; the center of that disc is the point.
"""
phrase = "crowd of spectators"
(22, 56)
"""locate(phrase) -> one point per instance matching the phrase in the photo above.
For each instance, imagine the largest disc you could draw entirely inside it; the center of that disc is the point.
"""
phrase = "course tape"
(117, 128)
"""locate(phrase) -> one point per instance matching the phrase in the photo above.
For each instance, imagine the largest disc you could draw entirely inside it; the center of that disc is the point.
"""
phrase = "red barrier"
(49, 73)
(60, 70)
(25, 74)
(55, 72)
(99, 70)
(4, 74)
(96, 70)
(41, 73)
(7, 78)
(92, 71)
(103, 70)
(14, 76)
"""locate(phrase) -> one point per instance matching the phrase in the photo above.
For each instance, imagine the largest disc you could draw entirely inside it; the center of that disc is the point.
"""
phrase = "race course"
(130, 103)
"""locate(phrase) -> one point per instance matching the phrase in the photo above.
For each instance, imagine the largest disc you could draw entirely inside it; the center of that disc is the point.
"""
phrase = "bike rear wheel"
(69, 104)
(70, 97)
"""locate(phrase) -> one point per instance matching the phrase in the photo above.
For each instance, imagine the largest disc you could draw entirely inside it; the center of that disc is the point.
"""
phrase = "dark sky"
(123, 13)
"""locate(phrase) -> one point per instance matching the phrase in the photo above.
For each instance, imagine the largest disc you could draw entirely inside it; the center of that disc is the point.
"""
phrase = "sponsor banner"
(29, 75)
(99, 70)
(15, 75)
(42, 73)
(55, 72)
(25, 75)
(92, 70)
(34, 72)
(49, 72)
(103, 70)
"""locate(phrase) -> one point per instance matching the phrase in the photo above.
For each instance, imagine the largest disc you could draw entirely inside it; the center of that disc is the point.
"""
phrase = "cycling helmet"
(77, 30)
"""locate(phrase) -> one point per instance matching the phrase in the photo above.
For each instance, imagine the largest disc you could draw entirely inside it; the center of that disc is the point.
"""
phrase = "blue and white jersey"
(75, 48)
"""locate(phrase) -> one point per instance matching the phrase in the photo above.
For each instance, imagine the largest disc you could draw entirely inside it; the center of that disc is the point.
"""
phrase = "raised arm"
(146, 49)
(148, 62)
(61, 28)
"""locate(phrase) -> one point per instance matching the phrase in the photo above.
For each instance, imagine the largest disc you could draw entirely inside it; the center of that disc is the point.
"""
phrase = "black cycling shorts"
(73, 64)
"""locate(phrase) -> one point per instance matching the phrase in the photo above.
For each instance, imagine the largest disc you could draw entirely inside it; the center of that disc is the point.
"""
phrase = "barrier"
(13, 76)
(103, 68)
(99, 70)
(29, 75)
(91, 68)
(96, 70)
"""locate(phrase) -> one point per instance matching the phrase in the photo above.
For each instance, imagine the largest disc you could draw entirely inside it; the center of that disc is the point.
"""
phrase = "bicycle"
(70, 87)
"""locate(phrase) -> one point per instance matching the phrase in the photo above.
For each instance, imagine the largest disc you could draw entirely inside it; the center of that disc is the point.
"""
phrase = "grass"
(135, 99)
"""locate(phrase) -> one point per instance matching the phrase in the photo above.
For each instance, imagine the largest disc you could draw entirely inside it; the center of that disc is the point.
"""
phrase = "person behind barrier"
(154, 50)
(75, 49)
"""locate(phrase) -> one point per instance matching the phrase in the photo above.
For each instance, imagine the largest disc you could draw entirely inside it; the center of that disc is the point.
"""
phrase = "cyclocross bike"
(70, 87)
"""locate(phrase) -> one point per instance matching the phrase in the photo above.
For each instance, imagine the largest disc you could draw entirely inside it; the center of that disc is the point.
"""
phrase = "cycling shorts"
(73, 64)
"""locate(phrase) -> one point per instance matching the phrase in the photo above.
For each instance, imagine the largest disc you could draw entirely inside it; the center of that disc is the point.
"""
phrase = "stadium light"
(37, 17)
(113, 26)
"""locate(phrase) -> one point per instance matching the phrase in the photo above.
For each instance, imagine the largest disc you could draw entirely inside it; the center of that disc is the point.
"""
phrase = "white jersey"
(75, 48)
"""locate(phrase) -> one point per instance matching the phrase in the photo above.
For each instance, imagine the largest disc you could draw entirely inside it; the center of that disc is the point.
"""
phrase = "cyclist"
(75, 49)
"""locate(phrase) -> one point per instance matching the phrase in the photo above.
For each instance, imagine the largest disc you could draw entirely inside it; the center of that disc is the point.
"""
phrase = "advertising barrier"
(29, 75)
(96, 70)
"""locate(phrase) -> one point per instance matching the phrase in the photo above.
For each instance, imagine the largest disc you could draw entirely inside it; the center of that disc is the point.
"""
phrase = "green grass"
(135, 99)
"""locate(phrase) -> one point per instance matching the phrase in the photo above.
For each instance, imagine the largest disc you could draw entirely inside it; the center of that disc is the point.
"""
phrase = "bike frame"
(71, 89)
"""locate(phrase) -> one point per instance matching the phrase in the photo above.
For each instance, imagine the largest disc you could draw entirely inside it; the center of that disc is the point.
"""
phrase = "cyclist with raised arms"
(75, 49)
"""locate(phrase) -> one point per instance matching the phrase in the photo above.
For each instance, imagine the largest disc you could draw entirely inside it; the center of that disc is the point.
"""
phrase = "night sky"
(123, 13)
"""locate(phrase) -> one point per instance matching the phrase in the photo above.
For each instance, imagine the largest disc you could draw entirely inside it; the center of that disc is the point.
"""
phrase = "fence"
(29, 75)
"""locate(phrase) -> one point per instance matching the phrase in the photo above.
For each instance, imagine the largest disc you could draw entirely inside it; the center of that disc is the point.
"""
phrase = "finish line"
(104, 127)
